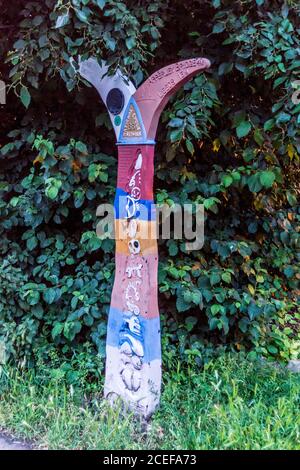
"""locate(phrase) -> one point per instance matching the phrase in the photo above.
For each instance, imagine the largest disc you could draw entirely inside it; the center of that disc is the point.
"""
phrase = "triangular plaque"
(132, 126)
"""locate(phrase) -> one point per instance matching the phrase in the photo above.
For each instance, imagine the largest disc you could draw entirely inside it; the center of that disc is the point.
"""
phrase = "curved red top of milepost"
(153, 95)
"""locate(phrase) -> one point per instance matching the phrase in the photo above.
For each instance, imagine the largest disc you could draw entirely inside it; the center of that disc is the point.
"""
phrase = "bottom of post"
(140, 391)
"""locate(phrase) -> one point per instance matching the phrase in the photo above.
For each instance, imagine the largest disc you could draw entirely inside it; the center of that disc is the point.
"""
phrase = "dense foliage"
(229, 140)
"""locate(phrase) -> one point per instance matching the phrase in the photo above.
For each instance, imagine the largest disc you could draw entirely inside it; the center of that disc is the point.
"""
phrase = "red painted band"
(127, 155)
(146, 285)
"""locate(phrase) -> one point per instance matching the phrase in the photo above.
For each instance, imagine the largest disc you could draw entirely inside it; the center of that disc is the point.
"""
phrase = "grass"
(231, 404)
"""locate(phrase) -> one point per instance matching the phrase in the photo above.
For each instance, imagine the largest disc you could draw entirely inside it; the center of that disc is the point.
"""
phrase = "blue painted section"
(146, 210)
(132, 140)
(150, 333)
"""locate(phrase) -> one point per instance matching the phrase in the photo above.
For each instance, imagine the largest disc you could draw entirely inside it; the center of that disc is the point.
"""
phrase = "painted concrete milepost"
(133, 350)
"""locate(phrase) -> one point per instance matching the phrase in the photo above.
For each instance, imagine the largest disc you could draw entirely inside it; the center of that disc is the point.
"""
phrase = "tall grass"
(230, 404)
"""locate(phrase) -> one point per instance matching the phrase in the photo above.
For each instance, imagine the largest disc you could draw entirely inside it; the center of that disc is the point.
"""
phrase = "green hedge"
(229, 140)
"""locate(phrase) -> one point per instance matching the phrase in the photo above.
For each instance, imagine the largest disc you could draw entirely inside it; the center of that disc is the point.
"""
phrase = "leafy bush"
(229, 140)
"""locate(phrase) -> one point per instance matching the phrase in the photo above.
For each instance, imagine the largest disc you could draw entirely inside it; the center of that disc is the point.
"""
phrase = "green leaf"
(52, 187)
(213, 323)
(254, 183)
(71, 329)
(62, 20)
(51, 192)
(111, 43)
(253, 311)
(37, 20)
(25, 96)
(81, 15)
(101, 3)
(187, 296)
(176, 122)
(268, 126)
(267, 178)
(173, 248)
(243, 129)
(226, 277)
(130, 42)
(215, 309)
(189, 146)
(43, 40)
(103, 177)
(6, 148)
(211, 204)
(215, 278)
(283, 118)
(57, 329)
(244, 324)
(81, 147)
(218, 28)
(291, 198)
(20, 44)
(33, 297)
(32, 243)
(182, 305)
(38, 311)
(14, 201)
(289, 272)
(225, 67)
(197, 297)
(272, 349)
(93, 172)
(176, 135)
(279, 81)
(227, 180)
(49, 295)
(94, 243)
(281, 67)
(190, 323)
(258, 137)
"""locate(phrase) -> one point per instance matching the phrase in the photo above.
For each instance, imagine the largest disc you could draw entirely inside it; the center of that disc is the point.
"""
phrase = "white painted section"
(139, 162)
(95, 74)
(145, 399)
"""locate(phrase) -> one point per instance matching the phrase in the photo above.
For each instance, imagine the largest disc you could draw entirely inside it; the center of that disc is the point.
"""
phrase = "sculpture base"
(143, 401)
